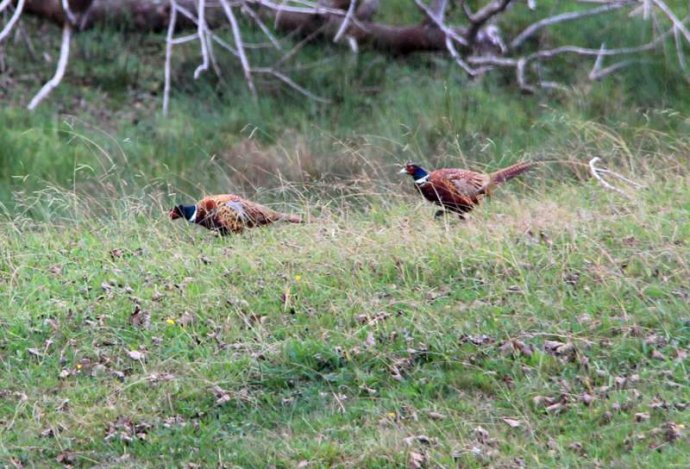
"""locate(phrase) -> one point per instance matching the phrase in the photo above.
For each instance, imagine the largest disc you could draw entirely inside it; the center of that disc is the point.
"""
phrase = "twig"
(348, 16)
(679, 49)
(240, 47)
(456, 56)
(201, 32)
(68, 13)
(264, 29)
(4, 4)
(438, 22)
(563, 17)
(674, 19)
(596, 172)
(600, 73)
(285, 79)
(168, 55)
(13, 19)
(59, 71)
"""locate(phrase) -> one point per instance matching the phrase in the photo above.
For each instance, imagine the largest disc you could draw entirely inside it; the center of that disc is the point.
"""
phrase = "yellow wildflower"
(170, 322)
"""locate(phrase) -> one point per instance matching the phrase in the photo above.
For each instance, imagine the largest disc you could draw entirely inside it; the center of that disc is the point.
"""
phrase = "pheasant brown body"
(460, 190)
(230, 213)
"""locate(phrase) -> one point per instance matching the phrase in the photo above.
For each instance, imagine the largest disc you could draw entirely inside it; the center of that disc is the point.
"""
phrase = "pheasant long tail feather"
(291, 218)
(505, 174)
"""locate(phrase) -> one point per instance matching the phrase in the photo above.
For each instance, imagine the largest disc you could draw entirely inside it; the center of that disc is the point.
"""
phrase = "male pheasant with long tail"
(229, 213)
(460, 190)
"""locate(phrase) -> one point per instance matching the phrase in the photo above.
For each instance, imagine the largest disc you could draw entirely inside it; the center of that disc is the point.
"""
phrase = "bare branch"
(237, 35)
(4, 4)
(674, 19)
(597, 172)
(201, 32)
(348, 17)
(13, 19)
(59, 71)
(264, 29)
(439, 23)
(68, 13)
(168, 55)
(563, 17)
(285, 79)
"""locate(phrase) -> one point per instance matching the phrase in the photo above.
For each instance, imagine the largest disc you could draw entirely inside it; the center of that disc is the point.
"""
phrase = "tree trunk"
(153, 15)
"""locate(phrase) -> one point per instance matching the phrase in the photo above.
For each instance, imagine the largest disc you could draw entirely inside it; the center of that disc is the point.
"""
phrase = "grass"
(551, 329)
(364, 338)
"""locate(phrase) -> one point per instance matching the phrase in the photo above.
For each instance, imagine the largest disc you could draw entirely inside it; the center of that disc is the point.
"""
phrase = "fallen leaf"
(65, 458)
(140, 318)
(436, 416)
(34, 352)
(672, 431)
(641, 417)
(481, 434)
(512, 423)
(186, 319)
(577, 447)
(416, 460)
(587, 398)
(656, 355)
(423, 439)
(135, 355)
(477, 340)
(556, 408)
(371, 340)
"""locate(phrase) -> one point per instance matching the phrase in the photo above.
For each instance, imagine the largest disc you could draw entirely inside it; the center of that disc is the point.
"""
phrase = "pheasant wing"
(468, 183)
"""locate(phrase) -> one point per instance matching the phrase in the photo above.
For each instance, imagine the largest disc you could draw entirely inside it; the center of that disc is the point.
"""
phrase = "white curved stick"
(15, 17)
(59, 72)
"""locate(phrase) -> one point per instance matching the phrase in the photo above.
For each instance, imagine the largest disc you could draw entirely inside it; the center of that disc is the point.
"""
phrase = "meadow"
(551, 329)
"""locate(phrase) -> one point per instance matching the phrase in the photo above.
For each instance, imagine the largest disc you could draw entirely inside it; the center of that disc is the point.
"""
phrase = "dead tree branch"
(475, 44)
(59, 71)
(13, 19)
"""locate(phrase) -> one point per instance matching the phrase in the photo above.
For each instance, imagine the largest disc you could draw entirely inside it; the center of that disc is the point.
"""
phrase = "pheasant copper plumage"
(460, 190)
(229, 213)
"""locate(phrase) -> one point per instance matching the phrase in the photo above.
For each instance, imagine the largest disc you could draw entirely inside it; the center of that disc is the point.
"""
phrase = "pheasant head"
(418, 173)
(188, 212)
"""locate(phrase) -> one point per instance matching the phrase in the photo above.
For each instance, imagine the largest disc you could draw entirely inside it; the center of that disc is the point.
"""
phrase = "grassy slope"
(376, 337)
(337, 340)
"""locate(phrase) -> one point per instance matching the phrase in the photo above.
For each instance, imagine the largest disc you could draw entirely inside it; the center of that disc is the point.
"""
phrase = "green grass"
(335, 341)
(374, 332)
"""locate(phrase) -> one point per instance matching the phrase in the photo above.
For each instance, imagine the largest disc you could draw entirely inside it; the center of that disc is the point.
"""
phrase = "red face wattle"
(175, 213)
(410, 168)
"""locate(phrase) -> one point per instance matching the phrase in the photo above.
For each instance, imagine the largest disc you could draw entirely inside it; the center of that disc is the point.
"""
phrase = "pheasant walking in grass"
(229, 213)
(460, 190)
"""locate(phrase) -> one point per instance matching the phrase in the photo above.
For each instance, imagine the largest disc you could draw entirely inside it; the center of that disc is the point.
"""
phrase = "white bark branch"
(4, 4)
(288, 81)
(59, 71)
(13, 19)
(201, 32)
(237, 35)
(346, 22)
(597, 172)
(563, 17)
(674, 19)
(168, 56)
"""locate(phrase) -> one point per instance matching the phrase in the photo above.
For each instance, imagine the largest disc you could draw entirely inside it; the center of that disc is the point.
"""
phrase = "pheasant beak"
(403, 171)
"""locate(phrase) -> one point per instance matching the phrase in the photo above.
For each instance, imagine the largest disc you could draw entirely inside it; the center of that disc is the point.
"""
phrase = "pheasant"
(229, 213)
(459, 190)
